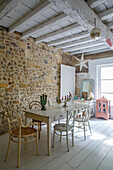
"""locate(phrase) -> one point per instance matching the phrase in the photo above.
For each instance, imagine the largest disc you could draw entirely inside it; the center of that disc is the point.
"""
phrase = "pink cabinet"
(103, 108)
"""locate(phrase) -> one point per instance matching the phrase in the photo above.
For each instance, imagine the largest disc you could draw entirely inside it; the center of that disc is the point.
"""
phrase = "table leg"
(49, 136)
(25, 118)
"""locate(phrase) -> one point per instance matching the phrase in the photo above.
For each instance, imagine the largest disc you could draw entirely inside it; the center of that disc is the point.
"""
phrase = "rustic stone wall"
(27, 70)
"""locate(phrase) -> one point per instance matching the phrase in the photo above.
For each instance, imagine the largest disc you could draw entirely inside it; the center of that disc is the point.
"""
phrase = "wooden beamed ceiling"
(64, 24)
(95, 3)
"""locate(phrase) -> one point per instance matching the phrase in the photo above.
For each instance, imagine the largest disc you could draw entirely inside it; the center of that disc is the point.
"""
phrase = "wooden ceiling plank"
(7, 7)
(69, 38)
(84, 46)
(95, 3)
(106, 14)
(60, 31)
(83, 15)
(74, 43)
(98, 51)
(54, 21)
(89, 49)
(110, 24)
(37, 11)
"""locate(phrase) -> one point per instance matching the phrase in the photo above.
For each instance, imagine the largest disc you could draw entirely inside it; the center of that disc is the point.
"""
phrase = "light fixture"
(95, 32)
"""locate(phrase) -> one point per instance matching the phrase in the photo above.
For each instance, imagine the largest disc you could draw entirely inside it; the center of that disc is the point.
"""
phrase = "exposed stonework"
(27, 70)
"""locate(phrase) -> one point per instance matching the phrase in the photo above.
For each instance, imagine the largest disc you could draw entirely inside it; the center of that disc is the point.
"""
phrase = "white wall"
(93, 64)
(67, 80)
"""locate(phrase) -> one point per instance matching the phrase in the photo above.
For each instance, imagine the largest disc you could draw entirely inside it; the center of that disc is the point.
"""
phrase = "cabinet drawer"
(59, 116)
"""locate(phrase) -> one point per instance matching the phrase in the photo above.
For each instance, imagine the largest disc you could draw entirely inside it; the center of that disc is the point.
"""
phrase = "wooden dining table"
(53, 113)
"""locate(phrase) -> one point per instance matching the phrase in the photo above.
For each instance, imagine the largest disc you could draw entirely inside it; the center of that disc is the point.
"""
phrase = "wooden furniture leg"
(49, 136)
(25, 119)
(19, 149)
(60, 136)
(37, 144)
(25, 144)
(53, 139)
(84, 131)
(39, 129)
(9, 144)
(67, 141)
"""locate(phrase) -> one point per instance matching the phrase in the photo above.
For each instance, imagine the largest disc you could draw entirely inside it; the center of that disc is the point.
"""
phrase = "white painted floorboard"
(96, 153)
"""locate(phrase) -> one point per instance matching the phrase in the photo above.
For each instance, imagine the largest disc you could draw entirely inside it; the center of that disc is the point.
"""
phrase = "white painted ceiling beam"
(95, 3)
(37, 11)
(74, 43)
(89, 49)
(83, 15)
(60, 31)
(45, 25)
(69, 38)
(98, 51)
(7, 6)
(84, 46)
(110, 24)
(106, 14)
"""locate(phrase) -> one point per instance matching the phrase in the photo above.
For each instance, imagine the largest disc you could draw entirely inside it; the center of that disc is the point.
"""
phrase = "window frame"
(99, 79)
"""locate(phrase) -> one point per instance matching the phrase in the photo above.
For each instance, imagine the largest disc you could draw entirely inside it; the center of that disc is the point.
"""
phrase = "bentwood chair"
(21, 134)
(83, 119)
(32, 105)
(65, 129)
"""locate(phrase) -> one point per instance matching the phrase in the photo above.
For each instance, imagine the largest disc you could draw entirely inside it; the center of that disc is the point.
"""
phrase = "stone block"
(32, 64)
(48, 80)
(3, 85)
(22, 45)
(23, 85)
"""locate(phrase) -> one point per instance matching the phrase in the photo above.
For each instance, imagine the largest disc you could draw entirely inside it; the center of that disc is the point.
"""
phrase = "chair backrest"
(35, 104)
(90, 108)
(79, 110)
(70, 119)
(86, 113)
(14, 120)
(83, 112)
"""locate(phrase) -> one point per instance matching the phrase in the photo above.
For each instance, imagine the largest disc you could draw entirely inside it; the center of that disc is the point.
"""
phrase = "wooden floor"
(96, 153)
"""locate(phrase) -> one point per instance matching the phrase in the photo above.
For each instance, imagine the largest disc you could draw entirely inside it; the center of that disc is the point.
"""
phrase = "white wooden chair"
(21, 134)
(35, 104)
(82, 118)
(65, 129)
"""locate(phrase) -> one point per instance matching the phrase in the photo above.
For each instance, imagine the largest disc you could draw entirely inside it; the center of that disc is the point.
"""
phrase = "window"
(106, 82)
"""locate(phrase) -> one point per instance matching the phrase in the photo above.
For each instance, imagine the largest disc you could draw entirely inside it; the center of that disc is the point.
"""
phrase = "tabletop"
(55, 109)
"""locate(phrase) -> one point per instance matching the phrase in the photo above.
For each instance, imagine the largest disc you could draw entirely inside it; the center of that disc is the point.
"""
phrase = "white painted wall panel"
(67, 83)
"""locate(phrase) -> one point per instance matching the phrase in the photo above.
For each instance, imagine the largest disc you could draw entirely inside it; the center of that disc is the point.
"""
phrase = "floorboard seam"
(86, 145)
(104, 158)
(94, 149)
